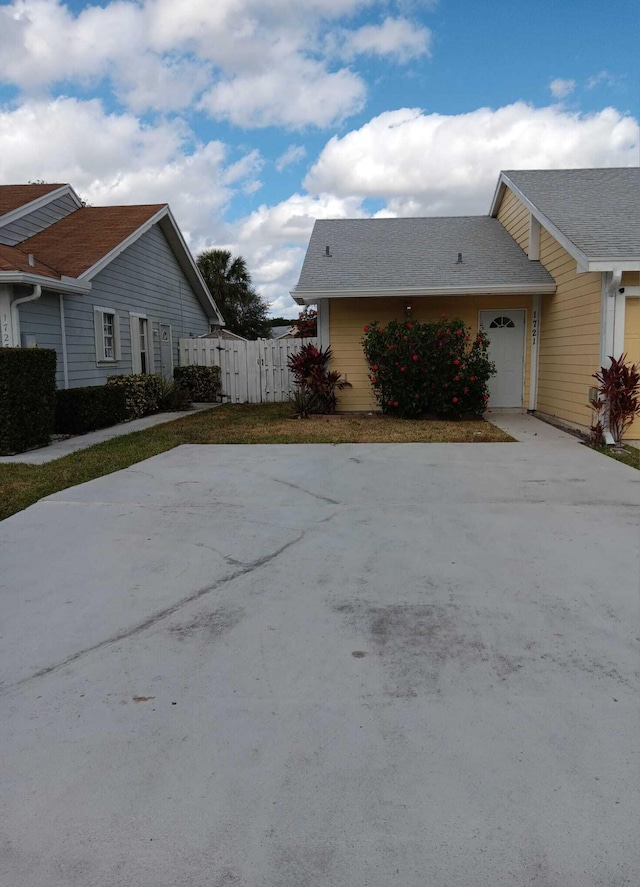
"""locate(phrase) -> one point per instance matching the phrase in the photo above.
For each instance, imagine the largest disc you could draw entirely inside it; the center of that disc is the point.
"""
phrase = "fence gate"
(251, 371)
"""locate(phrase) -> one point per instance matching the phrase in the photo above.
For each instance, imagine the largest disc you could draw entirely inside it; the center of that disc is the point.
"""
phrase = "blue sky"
(253, 117)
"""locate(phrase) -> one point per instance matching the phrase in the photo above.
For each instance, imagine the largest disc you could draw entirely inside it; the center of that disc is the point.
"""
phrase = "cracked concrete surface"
(326, 666)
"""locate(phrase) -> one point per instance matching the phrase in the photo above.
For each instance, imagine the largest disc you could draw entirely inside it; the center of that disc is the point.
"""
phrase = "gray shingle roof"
(597, 209)
(390, 254)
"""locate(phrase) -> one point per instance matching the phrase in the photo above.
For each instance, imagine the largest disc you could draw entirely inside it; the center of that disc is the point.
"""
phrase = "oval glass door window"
(501, 322)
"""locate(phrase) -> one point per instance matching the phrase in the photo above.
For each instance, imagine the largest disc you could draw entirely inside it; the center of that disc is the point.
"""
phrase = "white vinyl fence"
(251, 372)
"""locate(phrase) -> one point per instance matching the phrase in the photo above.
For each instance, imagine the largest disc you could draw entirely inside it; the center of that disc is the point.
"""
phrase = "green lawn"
(631, 457)
(22, 485)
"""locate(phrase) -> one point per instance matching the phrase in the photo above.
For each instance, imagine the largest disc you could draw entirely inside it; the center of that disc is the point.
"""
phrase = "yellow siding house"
(552, 274)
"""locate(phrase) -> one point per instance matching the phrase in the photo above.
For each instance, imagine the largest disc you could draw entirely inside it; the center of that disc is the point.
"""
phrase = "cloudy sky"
(254, 117)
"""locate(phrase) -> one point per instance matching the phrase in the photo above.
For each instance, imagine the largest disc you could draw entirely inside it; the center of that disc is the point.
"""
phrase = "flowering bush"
(428, 367)
(306, 326)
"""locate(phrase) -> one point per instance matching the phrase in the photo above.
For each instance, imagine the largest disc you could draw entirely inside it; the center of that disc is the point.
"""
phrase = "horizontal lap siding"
(632, 345)
(146, 279)
(41, 319)
(569, 336)
(37, 221)
(514, 216)
(347, 317)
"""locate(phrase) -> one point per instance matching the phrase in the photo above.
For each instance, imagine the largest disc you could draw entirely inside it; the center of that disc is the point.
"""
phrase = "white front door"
(505, 329)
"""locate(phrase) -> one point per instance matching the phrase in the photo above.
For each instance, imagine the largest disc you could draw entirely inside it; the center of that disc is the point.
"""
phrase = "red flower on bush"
(471, 378)
(454, 400)
(456, 362)
(402, 369)
(380, 330)
(415, 356)
(395, 403)
(456, 378)
(375, 367)
(409, 326)
(365, 329)
(374, 380)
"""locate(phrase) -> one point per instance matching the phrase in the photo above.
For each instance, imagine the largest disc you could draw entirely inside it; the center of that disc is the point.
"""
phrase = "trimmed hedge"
(142, 393)
(79, 410)
(27, 398)
(202, 383)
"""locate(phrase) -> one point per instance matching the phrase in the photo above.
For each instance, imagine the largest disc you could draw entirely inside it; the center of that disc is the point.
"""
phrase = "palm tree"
(229, 282)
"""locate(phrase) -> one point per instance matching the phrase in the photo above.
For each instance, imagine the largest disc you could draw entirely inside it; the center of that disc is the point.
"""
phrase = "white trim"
(534, 347)
(563, 240)
(534, 239)
(122, 246)
(310, 297)
(34, 205)
(136, 356)
(174, 236)
(618, 323)
(631, 292)
(609, 291)
(98, 329)
(323, 323)
(66, 284)
(599, 264)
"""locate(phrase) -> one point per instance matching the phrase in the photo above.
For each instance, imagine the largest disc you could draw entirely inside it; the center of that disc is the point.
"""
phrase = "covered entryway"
(505, 329)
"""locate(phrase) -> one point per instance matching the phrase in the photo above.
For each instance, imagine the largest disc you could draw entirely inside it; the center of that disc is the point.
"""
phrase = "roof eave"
(38, 203)
(622, 264)
(505, 182)
(311, 296)
(62, 285)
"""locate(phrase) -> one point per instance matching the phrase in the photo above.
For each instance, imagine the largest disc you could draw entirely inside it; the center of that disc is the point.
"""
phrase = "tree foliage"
(229, 282)
(306, 326)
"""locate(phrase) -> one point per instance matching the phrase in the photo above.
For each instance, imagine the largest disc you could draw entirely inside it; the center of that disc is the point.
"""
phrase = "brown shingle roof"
(14, 196)
(77, 242)
(12, 258)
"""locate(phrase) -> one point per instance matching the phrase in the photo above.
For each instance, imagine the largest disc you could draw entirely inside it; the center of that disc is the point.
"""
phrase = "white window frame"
(136, 359)
(98, 326)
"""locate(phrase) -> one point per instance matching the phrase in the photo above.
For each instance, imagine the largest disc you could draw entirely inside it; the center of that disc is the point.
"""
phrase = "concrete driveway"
(318, 666)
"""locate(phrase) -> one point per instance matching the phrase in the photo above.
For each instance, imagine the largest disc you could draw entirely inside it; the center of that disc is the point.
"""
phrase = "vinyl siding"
(569, 323)
(37, 221)
(632, 345)
(41, 319)
(514, 216)
(146, 279)
(347, 317)
(569, 337)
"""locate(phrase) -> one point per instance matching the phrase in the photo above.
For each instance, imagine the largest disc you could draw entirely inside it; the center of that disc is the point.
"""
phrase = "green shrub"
(79, 410)
(27, 398)
(141, 393)
(174, 397)
(202, 383)
(438, 368)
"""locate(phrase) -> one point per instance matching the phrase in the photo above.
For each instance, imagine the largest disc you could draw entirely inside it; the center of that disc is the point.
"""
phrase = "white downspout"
(63, 332)
(15, 317)
(608, 342)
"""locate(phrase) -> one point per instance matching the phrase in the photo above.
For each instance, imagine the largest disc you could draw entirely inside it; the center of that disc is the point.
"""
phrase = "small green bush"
(173, 397)
(202, 383)
(79, 410)
(141, 392)
(438, 368)
(27, 398)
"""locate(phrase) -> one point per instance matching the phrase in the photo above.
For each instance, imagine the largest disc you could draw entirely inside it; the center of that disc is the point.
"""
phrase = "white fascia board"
(498, 195)
(556, 233)
(38, 203)
(612, 265)
(216, 317)
(310, 297)
(122, 246)
(51, 284)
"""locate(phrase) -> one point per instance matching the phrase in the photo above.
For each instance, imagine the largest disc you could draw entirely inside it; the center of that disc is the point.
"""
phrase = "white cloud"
(396, 37)
(253, 62)
(114, 158)
(293, 154)
(560, 88)
(603, 78)
(434, 164)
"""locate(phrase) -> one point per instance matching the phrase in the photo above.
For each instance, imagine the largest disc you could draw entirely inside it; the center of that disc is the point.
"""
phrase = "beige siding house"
(552, 273)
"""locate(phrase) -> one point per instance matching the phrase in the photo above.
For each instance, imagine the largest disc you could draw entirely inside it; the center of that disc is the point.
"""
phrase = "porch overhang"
(311, 296)
(50, 284)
